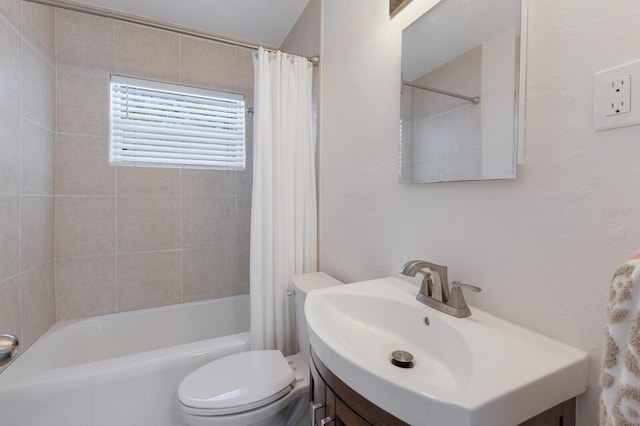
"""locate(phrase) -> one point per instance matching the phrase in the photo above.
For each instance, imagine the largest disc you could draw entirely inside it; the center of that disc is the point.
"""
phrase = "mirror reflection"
(459, 107)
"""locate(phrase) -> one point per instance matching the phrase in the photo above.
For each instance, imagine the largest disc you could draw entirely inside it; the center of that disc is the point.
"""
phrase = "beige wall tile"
(10, 236)
(39, 89)
(37, 224)
(9, 152)
(82, 166)
(85, 286)
(209, 273)
(243, 71)
(244, 219)
(200, 183)
(207, 64)
(85, 42)
(10, 310)
(243, 253)
(37, 159)
(83, 104)
(11, 10)
(215, 65)
(209, 222)
(10, 307)
(38, 26)
(38, 302)
(85, 226)
(146, 52)
(245, 180)
(134, 181)
(11, 69)
(146, 280)
(148, 223)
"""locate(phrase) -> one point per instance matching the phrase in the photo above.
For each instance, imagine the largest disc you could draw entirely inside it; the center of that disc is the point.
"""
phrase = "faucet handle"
(473, 288)
(456, 298)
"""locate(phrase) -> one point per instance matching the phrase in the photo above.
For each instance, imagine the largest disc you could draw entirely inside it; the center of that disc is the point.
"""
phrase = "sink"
(480, 370)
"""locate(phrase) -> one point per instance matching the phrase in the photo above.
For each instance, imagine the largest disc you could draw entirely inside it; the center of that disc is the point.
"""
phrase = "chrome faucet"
(437, 294)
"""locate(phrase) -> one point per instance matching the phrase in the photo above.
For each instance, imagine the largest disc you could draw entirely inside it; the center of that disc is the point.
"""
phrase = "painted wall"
(27, 123)
(543, 246)
(131, 238)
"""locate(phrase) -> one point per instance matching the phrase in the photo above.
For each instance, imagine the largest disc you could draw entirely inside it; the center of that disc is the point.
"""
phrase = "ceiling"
(264, 22)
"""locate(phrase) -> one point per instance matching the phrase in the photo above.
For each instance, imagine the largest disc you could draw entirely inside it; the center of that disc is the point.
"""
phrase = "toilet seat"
(236, 383)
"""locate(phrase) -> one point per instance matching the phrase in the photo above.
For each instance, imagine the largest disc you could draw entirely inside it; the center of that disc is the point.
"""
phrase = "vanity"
(336, 402)
(475, 371)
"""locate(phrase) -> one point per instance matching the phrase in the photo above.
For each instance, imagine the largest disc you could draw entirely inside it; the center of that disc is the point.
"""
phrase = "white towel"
(620, 378)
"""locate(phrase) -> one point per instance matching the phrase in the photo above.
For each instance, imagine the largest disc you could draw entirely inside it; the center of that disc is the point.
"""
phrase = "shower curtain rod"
(132, 19)
(474, 100)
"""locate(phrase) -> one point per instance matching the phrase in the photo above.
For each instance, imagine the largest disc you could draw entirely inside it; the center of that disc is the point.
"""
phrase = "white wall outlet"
(617, 97)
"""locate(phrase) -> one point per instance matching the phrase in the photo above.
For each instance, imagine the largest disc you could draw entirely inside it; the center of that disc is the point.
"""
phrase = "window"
(167, 125)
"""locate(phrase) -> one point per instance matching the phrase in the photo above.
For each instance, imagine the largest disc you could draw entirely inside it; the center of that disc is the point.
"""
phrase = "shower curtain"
(283, 208)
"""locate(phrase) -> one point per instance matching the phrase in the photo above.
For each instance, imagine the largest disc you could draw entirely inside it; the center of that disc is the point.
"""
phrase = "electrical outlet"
(617, 97)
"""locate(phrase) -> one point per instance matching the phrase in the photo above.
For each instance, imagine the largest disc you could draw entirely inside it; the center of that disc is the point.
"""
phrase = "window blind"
(166, 125)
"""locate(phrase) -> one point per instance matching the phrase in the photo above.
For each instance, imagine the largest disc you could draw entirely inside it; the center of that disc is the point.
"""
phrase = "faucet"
(435, 292)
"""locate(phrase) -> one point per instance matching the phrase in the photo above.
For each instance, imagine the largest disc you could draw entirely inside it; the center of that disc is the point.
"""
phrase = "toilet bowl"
(260, 387)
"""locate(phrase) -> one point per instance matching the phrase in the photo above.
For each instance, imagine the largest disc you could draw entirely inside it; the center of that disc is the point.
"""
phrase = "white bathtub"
(120, 369)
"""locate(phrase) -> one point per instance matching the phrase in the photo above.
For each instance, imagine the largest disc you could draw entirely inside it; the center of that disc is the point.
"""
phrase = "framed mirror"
(461, 80)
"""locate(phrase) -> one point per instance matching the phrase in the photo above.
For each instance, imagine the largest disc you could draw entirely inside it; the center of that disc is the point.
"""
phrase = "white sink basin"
(480, 371)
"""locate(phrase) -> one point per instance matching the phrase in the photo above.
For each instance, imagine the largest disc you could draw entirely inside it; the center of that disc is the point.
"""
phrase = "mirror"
(461, 79)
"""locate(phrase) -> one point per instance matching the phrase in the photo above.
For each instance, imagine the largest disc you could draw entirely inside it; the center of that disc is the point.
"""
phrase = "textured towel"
(620, 379)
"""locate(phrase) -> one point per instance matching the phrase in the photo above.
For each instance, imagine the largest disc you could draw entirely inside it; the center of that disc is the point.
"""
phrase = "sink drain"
(402, 359)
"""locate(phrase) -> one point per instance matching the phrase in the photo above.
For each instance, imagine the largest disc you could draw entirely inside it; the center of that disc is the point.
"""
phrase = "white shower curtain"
(283, 209)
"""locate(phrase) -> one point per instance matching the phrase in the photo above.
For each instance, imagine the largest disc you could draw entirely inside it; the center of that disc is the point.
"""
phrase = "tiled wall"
(131, 238)
(27, 120)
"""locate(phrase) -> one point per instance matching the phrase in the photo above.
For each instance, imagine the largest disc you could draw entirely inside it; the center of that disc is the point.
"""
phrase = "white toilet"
(254, 387)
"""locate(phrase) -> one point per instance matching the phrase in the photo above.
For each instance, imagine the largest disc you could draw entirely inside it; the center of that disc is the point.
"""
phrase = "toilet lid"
(238, 382)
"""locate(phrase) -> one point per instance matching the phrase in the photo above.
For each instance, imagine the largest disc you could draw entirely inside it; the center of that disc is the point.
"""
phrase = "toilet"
(260, 387)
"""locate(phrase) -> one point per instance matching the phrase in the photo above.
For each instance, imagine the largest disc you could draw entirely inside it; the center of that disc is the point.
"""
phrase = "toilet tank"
(303, 284)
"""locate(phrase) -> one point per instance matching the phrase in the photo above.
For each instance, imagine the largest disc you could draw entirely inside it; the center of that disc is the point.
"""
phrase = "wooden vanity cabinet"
(339, 405)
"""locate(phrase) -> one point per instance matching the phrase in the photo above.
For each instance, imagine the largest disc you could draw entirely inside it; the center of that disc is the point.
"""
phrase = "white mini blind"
(166, 125)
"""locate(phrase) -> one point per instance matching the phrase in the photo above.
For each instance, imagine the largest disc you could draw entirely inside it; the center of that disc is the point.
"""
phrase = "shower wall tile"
(11, 11)
(38, 25)
(209, 273)
(37, 231)
(27, 111)
(197, 182)
(11, 69)
(243, 254)
(148, 224)
(209, 222)
(10, 236)
(83, 104)
(85, 286)
(142, 219)
(82, 167)
(85, 42)
(38, 302)
(244, 219)
(38, 88)
(38, 146)
(147, 53)
(208, 64)
(85, 226)
(10, 306)
(148, 279)
(147, 181)
(9, 152)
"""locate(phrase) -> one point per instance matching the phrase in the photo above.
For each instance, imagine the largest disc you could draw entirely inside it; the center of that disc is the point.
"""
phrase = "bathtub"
(120, 369)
